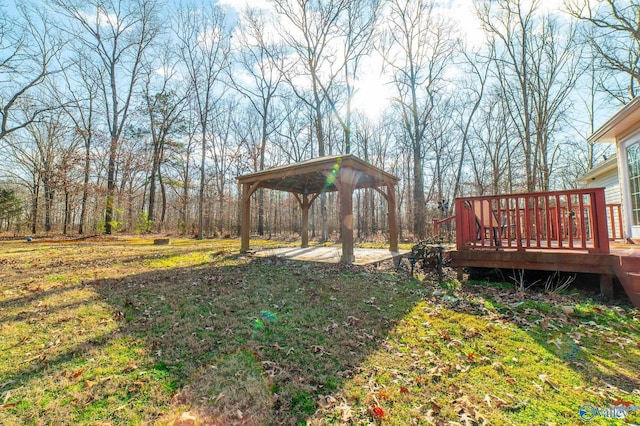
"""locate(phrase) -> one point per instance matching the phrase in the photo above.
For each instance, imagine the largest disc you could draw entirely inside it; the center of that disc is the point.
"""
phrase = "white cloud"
(99, 18)
(463, 13)
(240, 5)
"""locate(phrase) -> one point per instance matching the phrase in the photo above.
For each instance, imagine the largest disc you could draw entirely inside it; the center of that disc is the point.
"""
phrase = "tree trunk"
(152, 190)
(67, 213)
(163, 194)
(34, 208)
(419, 224)
(185, 190)
(85, 188)
(48, 203)
(201, 191)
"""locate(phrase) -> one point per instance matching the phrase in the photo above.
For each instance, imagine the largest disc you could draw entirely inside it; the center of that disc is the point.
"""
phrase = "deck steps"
(627, 269)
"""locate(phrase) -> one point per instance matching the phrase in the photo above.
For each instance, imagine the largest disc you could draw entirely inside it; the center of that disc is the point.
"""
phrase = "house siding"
(611, 185)
(612, 194)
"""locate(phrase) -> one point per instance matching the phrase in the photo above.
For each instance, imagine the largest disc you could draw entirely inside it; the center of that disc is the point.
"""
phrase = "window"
(633, 161)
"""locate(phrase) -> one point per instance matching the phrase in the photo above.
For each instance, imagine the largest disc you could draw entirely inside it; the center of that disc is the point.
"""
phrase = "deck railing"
(438, 222)
(558, 220)
(614, 219)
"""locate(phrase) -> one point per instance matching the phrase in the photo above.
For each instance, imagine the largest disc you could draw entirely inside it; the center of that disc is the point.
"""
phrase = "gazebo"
(308, 179)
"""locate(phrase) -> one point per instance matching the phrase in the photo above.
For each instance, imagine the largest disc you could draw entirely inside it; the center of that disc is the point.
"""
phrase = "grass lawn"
(119, 331)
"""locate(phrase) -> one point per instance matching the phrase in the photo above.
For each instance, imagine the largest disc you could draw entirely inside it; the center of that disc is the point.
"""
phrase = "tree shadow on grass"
(239, 341)
(302, 329)
(33, 291)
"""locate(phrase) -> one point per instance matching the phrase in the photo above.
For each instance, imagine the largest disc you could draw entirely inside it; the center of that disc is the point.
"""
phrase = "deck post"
(601, 237)
(606, 286)
(459, 231)
(246, 218)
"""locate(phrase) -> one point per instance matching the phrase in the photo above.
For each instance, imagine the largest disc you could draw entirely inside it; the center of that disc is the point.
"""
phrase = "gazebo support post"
(246, 218)
(305, 204)
(346, 212)
(305, 221)
(393, 220)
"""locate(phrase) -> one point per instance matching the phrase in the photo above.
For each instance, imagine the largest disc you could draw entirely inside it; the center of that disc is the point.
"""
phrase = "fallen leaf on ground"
(346, 414)
(620, 401)
(377, 412)
(545, 379)
(186, 419)
(76, 374)
(436, 407)
(325, 401)
(487, 399)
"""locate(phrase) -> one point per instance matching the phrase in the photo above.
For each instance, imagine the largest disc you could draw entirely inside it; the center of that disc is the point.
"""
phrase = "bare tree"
(203, 46)
(39, 159)
(117, 33)
(163, 104)
(28, 49)
(615, 38)
(261, 58)
(418, 49)
(491, 145)
(77, 95)
(224, 154)
(536, 67)
(590, 98)
(293, 142)
(179, 164)
(357, 29)
(311, 33)
(478, 70)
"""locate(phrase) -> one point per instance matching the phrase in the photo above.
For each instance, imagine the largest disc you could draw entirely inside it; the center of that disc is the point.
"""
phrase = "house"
(568, 230)
(622, 129)
(605, 175)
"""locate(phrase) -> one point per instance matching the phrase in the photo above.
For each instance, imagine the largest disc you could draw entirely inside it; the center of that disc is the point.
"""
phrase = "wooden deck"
(566, 231)
(556, 260)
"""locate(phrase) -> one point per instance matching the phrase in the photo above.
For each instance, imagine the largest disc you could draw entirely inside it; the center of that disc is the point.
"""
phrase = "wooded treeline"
(137, 115)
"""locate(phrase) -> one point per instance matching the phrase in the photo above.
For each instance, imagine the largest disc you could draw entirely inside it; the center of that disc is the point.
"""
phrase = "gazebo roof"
(319, 174)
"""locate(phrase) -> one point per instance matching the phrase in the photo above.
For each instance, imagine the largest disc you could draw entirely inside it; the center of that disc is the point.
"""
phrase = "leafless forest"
(138, 115)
